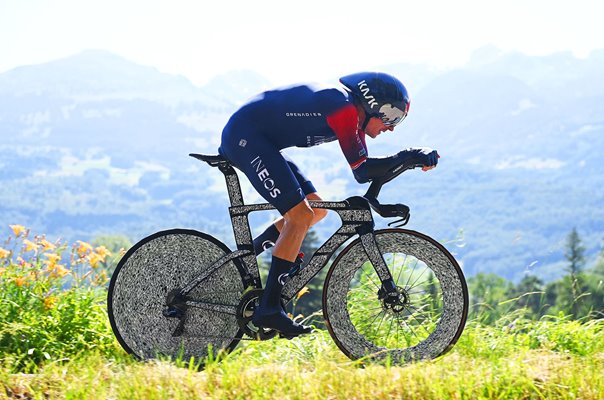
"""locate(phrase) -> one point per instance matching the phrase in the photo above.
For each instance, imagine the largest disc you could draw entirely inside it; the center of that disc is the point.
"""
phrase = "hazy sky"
(292, 40)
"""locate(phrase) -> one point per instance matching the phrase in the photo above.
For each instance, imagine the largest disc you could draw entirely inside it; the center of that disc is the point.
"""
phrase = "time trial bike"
(389, 294)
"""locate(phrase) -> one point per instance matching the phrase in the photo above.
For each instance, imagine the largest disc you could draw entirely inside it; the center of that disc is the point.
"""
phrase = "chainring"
(245, 312)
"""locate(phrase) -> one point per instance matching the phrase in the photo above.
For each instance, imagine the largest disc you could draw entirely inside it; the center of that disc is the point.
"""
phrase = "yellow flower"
(302, 292)
(94, 260)
(46, 245)
(83, 248)
(56, 270)
(29, 245)
(49, 302)
(22, 263)
(2, 270)
(18, 229)
(101, 278)
(102, 252)
(20, 281)
(53, 258)
(4, 253)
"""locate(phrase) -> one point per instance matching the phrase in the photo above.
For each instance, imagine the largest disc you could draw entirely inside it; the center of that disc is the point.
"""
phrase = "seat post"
(232, 182)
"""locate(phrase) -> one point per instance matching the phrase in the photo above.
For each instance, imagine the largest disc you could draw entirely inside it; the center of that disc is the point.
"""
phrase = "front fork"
(372, 249)
(394, 299)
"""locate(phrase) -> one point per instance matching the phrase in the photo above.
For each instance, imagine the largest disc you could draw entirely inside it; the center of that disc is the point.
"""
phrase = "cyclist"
(368, 104)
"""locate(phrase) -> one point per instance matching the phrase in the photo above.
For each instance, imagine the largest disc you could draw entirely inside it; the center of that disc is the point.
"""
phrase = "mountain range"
(96, 144)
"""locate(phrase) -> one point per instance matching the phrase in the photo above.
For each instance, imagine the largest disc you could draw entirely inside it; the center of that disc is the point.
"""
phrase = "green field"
(55, 342)
(487, 363)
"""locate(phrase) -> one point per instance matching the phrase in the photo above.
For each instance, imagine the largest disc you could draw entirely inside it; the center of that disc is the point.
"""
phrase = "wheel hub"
(395, 302)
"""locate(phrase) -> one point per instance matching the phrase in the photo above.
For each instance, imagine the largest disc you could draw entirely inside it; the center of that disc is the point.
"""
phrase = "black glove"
(377, 167)
(419, 157)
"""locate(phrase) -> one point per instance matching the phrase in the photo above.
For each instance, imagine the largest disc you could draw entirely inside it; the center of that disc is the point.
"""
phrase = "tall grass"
(52, 301)
(55, 342)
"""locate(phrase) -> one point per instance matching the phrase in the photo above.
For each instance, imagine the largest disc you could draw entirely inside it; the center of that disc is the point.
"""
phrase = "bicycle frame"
(355, 213)
(170, 295)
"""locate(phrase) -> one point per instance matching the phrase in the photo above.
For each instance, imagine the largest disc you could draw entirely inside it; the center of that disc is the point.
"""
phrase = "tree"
(576, 258)
(530, 293)
(487, 291)
(598, 267)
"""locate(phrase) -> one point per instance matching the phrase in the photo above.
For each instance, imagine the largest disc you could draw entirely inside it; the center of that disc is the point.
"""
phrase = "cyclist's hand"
(425, 157)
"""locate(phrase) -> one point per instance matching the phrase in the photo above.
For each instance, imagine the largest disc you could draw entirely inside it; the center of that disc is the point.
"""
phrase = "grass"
(313, 368)
(55, 342)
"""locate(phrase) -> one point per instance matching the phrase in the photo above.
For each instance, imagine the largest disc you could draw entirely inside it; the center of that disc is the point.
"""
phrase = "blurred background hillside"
(95, 144)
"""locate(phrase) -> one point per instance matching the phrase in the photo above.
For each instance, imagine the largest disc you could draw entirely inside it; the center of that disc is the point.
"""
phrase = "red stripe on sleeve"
(344, 122)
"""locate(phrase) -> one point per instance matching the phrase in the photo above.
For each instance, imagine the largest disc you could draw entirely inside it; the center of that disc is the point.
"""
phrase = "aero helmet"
(381, 95)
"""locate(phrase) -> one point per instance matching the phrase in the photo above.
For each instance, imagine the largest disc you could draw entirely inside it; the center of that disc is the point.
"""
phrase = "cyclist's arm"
(344, 122)
(373, 168)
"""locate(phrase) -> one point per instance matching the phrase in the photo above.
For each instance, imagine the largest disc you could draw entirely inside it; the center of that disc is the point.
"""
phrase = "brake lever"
(400, 222)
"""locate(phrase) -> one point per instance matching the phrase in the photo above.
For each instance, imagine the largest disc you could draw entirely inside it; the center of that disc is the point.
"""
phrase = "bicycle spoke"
(419, 323)
(400, 271)
(374, 316)
(371, 280)
(411, 274)
(413, 284)
(380, 327)
(401, 319)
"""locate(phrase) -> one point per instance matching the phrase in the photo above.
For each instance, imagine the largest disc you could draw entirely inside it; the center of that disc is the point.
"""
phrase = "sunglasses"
(393, 122)
(392, 116)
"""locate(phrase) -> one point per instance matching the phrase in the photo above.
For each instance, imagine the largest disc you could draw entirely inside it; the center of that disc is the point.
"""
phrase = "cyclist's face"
(375, 127)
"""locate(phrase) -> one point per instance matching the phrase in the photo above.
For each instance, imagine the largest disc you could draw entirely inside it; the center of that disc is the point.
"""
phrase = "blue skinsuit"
(298, 116)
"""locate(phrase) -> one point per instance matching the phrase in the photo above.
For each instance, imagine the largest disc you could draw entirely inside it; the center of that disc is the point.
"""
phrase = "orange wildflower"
(29, 245)
(94, 260)
(302, 292)
(83, 248)
(4, 253)
(49, 302)
(2, 271)
(20, 281)
(57, 271)
(22, 263)
(46, 245)
(18, 229)
(53, 258)
(102, 251)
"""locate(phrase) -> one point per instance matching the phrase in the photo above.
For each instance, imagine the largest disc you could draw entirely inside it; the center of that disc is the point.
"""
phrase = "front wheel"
(425, 317)
(160, 265)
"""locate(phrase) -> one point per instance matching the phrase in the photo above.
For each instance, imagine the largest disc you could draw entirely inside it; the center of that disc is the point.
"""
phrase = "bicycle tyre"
(149, 271)
(353, 310)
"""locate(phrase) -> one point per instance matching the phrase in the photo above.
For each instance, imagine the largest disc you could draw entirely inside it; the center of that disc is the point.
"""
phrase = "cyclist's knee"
(320, 213)
(301, 215)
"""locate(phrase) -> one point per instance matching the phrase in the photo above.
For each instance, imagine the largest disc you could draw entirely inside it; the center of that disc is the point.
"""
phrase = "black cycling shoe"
(281, 323)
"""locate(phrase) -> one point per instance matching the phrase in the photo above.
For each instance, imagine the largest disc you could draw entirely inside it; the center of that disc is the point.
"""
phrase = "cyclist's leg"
(319, 214)
(272, 232)
(270, 314)
(272, 177)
